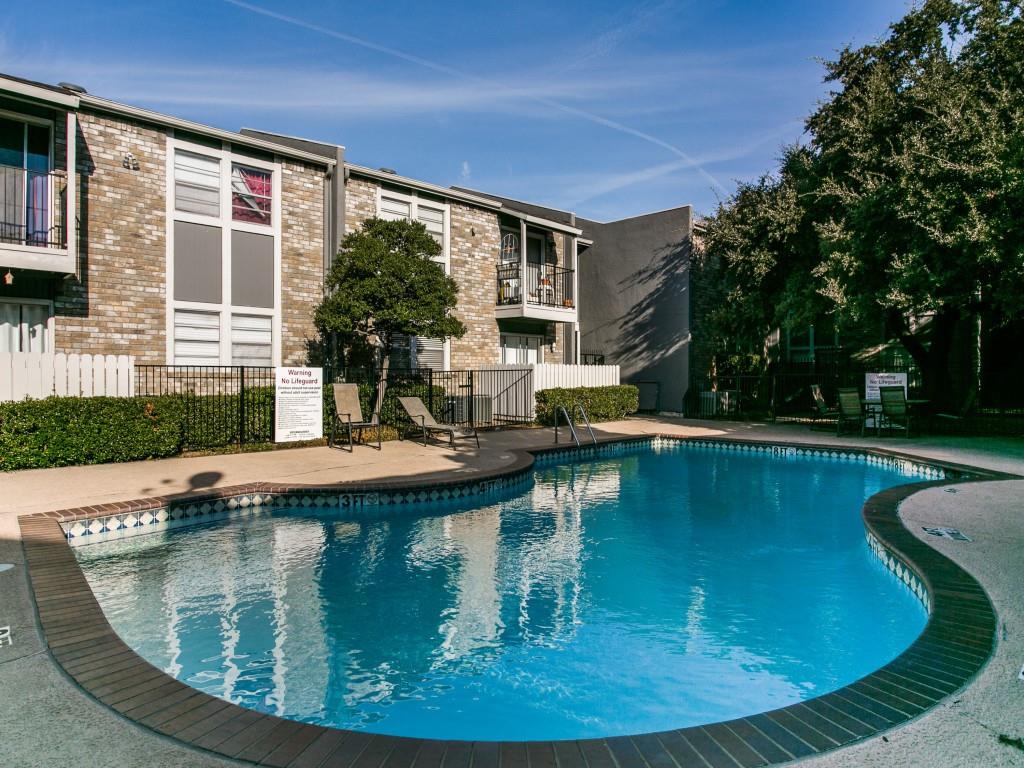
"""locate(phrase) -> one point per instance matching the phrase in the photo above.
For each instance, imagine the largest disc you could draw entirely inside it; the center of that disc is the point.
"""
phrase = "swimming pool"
(623, 595)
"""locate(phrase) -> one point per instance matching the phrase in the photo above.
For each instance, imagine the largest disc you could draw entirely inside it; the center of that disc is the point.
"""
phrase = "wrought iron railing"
(546, 285)
(32, 207)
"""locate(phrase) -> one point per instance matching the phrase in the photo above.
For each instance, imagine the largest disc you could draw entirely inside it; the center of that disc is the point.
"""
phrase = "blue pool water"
(632, 594)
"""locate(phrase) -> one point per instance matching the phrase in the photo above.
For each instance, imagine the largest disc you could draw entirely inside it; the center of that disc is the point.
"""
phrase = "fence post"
(472, 419)
(430, 389)
(241, 405)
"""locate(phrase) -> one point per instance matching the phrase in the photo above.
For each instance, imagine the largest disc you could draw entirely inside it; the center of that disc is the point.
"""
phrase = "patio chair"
(421, 416)
(895, 412)
(821, 410)
(349, 415)
(851, 410)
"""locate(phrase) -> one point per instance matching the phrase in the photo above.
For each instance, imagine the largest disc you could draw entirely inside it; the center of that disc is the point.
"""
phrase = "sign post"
(299, 404)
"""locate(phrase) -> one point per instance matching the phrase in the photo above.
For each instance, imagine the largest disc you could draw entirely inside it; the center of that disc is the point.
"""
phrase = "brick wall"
(116, 303)
(473, 262)
(302, 272)
(473, 265)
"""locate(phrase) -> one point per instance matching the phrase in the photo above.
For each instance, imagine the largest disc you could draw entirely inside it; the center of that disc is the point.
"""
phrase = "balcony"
(546, 293)
(32, 226)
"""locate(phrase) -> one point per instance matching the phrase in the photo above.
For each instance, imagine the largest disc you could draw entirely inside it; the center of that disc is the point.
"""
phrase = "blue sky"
(609, 110)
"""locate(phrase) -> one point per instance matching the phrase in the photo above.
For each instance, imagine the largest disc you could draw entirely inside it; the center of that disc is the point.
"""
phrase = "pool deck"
(49, 720)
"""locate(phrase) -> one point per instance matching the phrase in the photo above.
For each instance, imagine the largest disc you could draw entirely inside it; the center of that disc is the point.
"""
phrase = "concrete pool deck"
(50, 721)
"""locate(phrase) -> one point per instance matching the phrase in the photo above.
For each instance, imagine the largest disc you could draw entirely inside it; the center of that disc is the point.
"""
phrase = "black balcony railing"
(546, 285)
(32, 207)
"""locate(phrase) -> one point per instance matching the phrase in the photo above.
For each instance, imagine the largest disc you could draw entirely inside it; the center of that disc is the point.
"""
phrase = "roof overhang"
(38, 92)
(540, 222)
(434, 189)
(149, 116)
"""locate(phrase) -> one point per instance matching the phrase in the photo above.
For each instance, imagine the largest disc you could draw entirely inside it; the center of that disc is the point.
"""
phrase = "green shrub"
(63, 431)
(601, 403)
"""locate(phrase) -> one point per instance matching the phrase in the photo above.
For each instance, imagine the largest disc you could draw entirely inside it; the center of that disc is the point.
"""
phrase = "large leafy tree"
(913, 183)
(757, 250)
(385, 281)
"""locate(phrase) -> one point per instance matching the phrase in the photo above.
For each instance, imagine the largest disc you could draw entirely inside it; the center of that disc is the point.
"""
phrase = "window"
(251, 338)
(433, 220)
(521, 349)
(251, 194)
(26, 205)
(393, 209)
(196, 338)
(25, 326)
(224, 257)
(196, 183)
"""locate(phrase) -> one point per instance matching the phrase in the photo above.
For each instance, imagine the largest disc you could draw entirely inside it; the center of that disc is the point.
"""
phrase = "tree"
(919, 154)
(385, 281)
(914, 184)
(759, 249)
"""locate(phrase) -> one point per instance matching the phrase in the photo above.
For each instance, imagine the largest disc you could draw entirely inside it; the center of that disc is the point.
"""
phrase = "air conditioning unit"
(459, 409)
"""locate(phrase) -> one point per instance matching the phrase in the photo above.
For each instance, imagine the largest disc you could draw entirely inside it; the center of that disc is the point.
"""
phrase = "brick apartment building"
(192, 245)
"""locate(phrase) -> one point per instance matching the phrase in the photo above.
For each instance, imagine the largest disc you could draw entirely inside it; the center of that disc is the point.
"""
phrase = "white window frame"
(50, 326)
(51, 126)
(414, 201)
(541, 343)
(225, 308)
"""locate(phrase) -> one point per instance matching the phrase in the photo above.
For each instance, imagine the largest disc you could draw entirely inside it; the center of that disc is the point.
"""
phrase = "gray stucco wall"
(634, 287)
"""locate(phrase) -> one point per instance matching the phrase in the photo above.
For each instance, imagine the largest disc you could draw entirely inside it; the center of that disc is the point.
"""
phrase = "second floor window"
(251, 194)
(196, 183)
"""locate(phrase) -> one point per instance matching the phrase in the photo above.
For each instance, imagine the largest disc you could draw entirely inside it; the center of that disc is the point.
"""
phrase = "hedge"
(601, 403)
(67, 431)
(63, 431)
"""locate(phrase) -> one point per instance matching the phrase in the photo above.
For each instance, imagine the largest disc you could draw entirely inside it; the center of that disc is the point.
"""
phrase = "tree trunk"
(932, 358)
(382, 379)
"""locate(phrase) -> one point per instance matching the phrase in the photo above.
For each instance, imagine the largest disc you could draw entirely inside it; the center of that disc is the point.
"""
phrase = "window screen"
(196, 183)
(196, 337)
(251, 340)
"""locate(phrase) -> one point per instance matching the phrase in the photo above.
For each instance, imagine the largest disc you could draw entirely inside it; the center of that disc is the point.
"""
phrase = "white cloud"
(465, 173)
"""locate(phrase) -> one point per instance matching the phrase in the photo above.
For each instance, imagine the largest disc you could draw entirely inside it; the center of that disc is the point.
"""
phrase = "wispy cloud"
(625, 25)
(486, 83)
(465, 173)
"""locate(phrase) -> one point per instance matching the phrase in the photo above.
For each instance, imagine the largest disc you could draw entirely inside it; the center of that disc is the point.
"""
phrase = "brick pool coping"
(954, 646)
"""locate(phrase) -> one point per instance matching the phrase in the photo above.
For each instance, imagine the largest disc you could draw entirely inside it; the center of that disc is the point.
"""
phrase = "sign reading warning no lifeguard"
(299, 404)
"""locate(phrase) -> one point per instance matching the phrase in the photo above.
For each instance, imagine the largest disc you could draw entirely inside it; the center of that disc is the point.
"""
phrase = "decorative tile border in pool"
(955, 644)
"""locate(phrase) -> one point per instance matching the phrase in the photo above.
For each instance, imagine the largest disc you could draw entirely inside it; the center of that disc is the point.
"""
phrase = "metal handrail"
(586, 420)
(568, 421)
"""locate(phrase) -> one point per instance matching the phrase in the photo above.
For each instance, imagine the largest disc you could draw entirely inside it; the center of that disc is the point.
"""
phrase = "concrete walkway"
(48, 721)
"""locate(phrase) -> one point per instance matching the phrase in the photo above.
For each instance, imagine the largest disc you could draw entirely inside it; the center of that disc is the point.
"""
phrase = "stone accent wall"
(302, 258)
(473, 265)
(116, 303)
(360, 202)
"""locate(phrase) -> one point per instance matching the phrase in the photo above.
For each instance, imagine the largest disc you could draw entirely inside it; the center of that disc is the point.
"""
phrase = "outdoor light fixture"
(9, 278)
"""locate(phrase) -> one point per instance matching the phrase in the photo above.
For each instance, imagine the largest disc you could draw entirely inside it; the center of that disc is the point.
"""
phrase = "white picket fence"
(25, 375)
(550, 375)
(513, 398)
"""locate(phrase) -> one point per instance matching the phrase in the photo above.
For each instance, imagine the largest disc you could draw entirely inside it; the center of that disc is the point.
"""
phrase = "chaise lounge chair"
(424, 419)
(895, 412)
(349, 414)
(851, 411)
(822, 413)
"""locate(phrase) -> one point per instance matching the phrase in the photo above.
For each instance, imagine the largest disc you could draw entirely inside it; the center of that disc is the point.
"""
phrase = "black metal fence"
(786, 395)
(545, 284)
(589, 357)
(32, 207)
(234, 405)
(221, 405)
